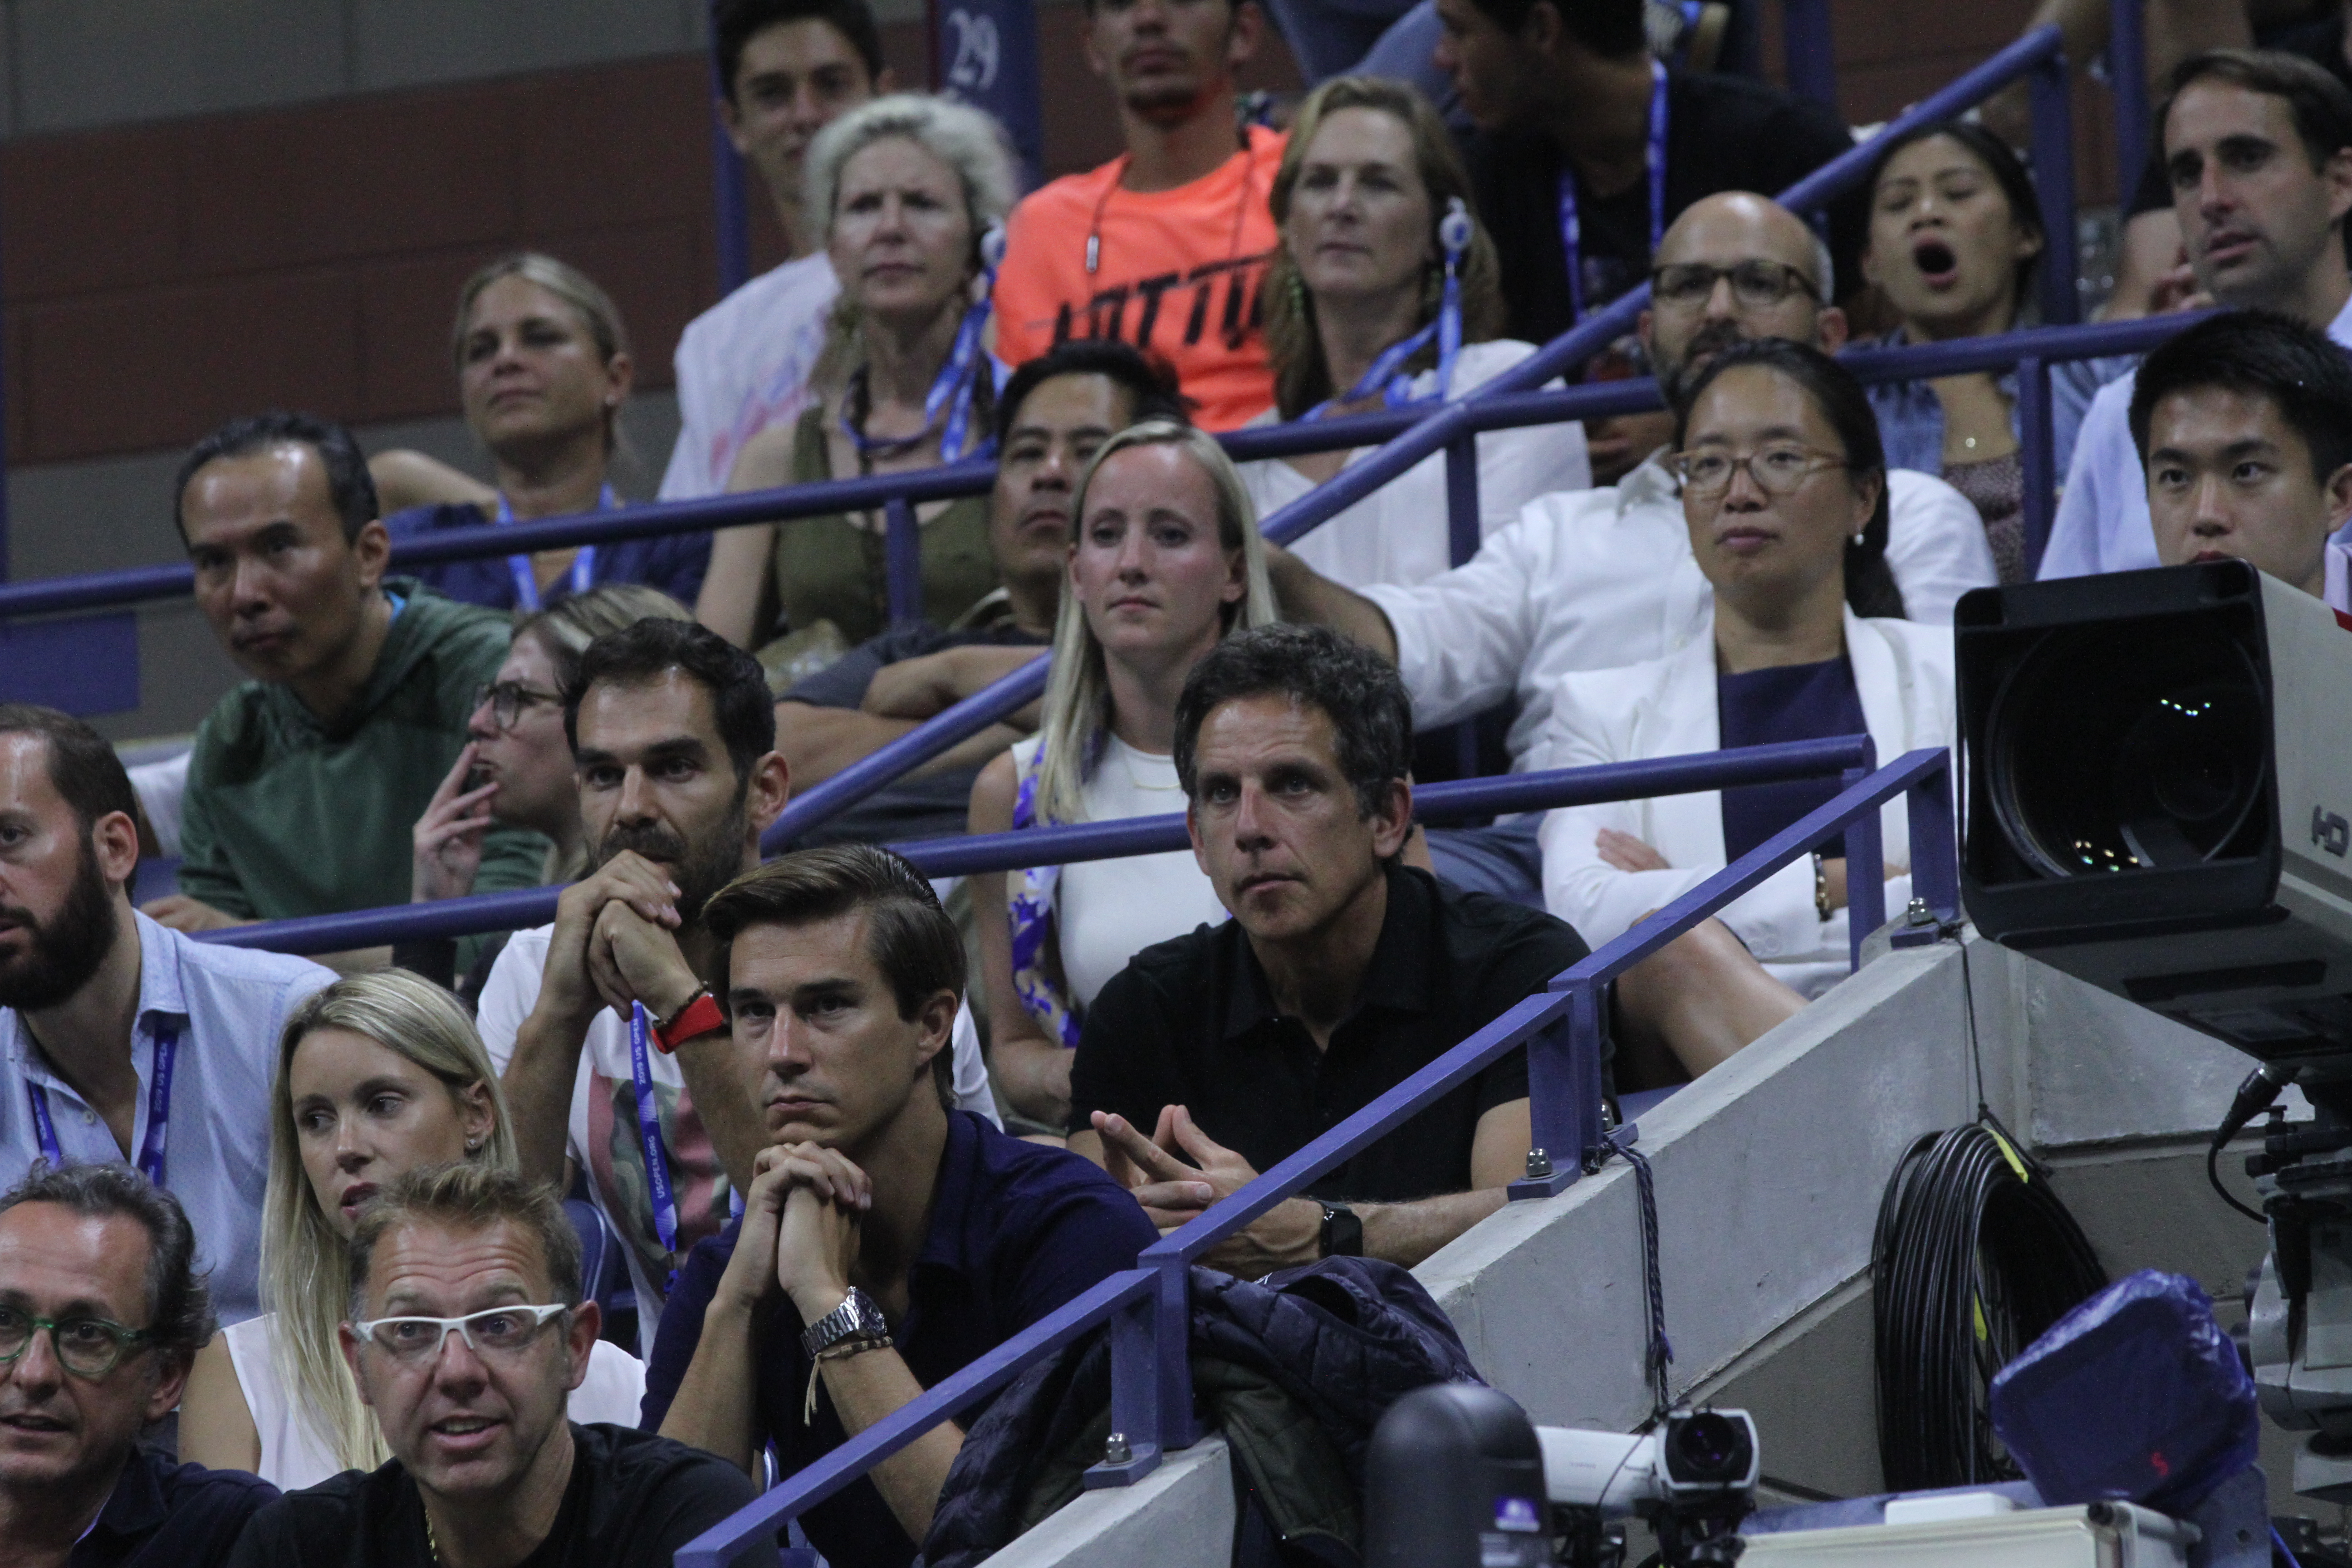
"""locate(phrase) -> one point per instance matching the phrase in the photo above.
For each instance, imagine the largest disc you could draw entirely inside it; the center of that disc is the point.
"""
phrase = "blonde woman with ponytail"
(378, 1075)
(1165, 561)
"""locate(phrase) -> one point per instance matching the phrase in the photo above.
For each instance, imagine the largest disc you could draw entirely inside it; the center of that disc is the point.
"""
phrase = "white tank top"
(295, 1455)
(1109, 911)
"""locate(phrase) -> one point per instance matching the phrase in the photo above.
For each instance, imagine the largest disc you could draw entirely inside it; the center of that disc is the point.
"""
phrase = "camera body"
(2159, 795)
(1700, 1462)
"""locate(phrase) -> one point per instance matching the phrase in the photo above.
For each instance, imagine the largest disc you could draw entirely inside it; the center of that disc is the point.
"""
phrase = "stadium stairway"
(1769, 1175)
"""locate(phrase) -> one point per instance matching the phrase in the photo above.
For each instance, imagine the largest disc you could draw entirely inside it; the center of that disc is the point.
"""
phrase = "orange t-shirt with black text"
(1179, 275)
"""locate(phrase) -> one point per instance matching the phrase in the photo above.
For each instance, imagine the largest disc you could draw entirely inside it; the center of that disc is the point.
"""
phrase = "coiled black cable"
(1973, 1259)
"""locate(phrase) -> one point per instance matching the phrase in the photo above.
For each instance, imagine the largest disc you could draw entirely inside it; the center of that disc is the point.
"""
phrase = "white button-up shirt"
(2103, 523)
(1600, 578)
(229, 1006)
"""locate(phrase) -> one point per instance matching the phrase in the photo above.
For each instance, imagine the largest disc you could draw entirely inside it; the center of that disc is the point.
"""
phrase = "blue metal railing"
(1562, 1030)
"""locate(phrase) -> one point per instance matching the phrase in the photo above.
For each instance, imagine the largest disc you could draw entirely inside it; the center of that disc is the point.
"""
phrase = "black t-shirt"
(2320, 42)
(632, 1500)
(1723, 134)
(1191, 1022)
(936, 805)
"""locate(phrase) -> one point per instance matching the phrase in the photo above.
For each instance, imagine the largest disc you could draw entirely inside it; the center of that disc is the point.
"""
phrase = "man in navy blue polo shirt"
(100, 1314)
(887, 1240)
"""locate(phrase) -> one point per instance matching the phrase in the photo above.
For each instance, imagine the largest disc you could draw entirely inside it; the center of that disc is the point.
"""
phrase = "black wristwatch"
(1343, 1232)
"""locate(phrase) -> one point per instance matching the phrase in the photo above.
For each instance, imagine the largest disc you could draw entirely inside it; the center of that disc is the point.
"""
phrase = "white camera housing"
(1696, 1457)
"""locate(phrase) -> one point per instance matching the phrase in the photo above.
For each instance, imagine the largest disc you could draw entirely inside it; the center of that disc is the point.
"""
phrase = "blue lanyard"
(641, 1079)
(1571, 230)
(951, 389)
(583, 564)
(159, 1111)
(1396, 389)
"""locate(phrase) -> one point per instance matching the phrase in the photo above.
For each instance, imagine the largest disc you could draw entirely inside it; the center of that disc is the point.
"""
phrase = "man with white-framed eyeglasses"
(100, 1314)
(467, 1331)
(1592, 579)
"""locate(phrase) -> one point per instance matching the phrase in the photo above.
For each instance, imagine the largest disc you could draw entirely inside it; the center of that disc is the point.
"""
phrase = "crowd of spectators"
(846, 1129)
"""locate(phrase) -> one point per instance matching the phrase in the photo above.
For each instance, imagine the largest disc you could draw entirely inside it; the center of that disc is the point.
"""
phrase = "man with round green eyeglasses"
(100, 1313)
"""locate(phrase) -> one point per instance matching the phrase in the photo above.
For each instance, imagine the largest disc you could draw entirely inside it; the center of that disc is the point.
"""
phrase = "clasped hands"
(1173, 1192)
(615, 942)
(801, 1229)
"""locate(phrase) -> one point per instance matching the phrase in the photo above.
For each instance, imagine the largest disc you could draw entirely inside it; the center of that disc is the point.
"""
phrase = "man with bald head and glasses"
(100, 1315)
(467, 1331)
(1592, 579)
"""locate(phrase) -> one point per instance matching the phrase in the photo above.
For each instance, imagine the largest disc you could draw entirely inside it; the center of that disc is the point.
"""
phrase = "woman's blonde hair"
(566, 282)
(1077, 709)
(1301, 379)
(966, 140)
(305, 1261)
(567, 626)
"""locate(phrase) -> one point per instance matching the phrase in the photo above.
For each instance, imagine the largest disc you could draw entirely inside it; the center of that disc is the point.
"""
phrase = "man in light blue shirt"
(2259, 149)
(122, 1040)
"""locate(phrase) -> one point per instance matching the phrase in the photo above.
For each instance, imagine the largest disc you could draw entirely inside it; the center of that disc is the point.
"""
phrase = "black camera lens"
(1706, 1448)
(2124, 752)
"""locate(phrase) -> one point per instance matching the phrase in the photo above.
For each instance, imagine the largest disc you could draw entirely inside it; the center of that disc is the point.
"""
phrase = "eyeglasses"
(507, 699)
(1778, 470)
(87, 1347)
(503, 1332)
(1755, 285)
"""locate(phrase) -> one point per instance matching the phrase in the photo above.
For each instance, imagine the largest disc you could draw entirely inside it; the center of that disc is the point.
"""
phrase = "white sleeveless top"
(1109, 911)
(293, 1452)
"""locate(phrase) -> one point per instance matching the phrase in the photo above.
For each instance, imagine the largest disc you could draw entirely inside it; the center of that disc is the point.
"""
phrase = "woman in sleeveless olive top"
(910, 186)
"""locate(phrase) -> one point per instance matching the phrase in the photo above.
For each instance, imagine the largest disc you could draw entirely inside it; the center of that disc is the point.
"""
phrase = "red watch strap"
(698, 1018)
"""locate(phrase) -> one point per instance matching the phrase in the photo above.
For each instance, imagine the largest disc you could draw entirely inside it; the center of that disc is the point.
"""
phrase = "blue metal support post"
(2127, 75)
(902, 553)
(734, 247)
(1463, 530)
(2053, 179)
(1811, 54)
(2037, 454)
(1564, 1092)
(1865, 871)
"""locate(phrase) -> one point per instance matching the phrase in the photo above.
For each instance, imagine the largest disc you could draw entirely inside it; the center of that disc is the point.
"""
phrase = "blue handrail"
(1561, 1027)
(1450, 802)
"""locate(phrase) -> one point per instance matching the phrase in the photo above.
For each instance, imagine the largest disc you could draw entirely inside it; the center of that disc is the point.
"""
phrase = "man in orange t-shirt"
(1166, 246)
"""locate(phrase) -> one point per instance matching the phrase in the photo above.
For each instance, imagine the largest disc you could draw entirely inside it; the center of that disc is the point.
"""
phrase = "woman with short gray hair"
(910, 189)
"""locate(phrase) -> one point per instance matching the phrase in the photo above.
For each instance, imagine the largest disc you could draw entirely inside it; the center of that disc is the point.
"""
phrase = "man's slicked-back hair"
(470, 1195)
(735, 23)
(1149, 383)
(2321, 105)
(1610, 29)
(349, 485)
(179, 1305)
(910, 938)
(1360, 692)
(2259, 354)
(83, 768)
(641, 654)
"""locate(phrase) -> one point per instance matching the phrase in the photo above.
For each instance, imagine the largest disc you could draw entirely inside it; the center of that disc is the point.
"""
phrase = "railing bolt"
(1116, 1451)
(1539, 1164)
(1918, 914)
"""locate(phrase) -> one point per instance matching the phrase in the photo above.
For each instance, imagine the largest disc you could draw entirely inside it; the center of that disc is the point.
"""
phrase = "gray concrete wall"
(1769, 1174)
(99, 516)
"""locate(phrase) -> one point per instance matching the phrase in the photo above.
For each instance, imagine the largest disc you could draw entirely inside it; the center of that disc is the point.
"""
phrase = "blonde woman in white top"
(1385, 293)
(1166, 562)
(378, 1075)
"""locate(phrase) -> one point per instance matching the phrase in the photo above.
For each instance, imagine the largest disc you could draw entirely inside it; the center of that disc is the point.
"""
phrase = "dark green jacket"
(287, 816)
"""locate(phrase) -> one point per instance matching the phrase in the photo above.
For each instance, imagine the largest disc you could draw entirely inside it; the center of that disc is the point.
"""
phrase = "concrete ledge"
(1179, 1516)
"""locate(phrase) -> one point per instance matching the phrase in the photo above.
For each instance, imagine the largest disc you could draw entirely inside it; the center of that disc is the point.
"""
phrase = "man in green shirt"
(306, 778)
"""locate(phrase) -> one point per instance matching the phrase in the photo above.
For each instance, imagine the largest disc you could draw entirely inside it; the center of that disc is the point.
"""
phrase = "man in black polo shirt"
(1340, 973)
(887, 1241)
(100, 1313)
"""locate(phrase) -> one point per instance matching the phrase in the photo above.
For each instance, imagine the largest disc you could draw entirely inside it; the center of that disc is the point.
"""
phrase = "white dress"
(295, 1455)
(1398, 533)
(1106, 912)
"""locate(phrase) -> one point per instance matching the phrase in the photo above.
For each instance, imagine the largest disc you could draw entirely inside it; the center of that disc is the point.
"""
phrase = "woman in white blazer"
(1784, 489)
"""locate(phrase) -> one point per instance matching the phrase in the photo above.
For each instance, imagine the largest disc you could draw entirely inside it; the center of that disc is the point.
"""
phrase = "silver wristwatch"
(857, 1318)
